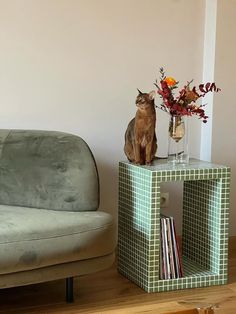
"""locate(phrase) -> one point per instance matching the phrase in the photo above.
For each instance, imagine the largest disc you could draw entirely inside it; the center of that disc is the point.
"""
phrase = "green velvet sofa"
(50, 227)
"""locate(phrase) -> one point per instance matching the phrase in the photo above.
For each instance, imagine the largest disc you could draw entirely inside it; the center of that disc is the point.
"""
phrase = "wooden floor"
(109, 292)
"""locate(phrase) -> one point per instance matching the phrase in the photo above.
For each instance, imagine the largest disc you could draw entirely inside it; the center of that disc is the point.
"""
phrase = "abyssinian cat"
(140, 137)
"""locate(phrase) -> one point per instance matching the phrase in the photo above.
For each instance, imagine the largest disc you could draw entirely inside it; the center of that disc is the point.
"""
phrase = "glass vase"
(178, 140)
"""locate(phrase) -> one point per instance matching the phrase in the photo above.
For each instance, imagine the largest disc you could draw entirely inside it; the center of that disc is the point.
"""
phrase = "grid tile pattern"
(205, 223)
(139, 243)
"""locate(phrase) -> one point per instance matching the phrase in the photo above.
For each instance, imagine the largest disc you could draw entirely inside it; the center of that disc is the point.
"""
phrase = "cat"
(140, 137)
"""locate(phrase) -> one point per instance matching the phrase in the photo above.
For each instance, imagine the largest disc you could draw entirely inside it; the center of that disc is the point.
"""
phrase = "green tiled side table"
(205, 223)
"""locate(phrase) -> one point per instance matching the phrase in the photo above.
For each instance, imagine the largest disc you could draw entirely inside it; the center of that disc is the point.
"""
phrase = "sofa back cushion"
(47, 169)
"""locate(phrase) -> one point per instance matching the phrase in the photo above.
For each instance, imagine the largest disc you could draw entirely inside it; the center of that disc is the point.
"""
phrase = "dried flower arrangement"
(185, 103)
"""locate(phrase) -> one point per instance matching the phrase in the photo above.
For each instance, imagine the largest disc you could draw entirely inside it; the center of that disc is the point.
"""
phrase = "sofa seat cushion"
(33, 238)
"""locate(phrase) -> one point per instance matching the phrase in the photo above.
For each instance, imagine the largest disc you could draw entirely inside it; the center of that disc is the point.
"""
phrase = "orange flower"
(170, 81)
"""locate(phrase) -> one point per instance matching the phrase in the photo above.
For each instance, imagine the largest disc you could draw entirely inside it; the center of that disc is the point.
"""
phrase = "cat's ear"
(140, 93)
(152, 94)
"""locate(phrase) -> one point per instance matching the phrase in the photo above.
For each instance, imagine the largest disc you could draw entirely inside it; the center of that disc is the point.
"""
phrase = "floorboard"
(110, 293)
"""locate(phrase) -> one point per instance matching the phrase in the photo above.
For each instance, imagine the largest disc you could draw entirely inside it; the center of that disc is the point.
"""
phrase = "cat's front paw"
(148, 162)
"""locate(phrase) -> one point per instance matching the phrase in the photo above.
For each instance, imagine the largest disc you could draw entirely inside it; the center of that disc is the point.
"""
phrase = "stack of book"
(170, 262)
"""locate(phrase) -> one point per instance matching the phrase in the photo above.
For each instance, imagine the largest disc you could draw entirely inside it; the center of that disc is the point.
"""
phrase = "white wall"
(224, 113)
(208, 75)
(74, 66)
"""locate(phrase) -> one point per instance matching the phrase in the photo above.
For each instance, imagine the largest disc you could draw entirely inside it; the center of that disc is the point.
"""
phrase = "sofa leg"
(69, 290)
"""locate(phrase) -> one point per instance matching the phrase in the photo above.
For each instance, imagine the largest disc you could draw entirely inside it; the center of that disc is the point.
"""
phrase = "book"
(174, 242)
(164, 249)
(171, 248)
(177, 254)
(162, 253)
(170, 261)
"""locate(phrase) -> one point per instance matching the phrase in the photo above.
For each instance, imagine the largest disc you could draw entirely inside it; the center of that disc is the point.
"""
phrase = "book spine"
(166, 250)
(175, 252)
(161, 264)
(170, 248)
(180, 268)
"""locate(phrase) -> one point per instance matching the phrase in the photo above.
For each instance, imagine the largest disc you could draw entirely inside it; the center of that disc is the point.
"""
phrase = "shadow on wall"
(108, 177)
